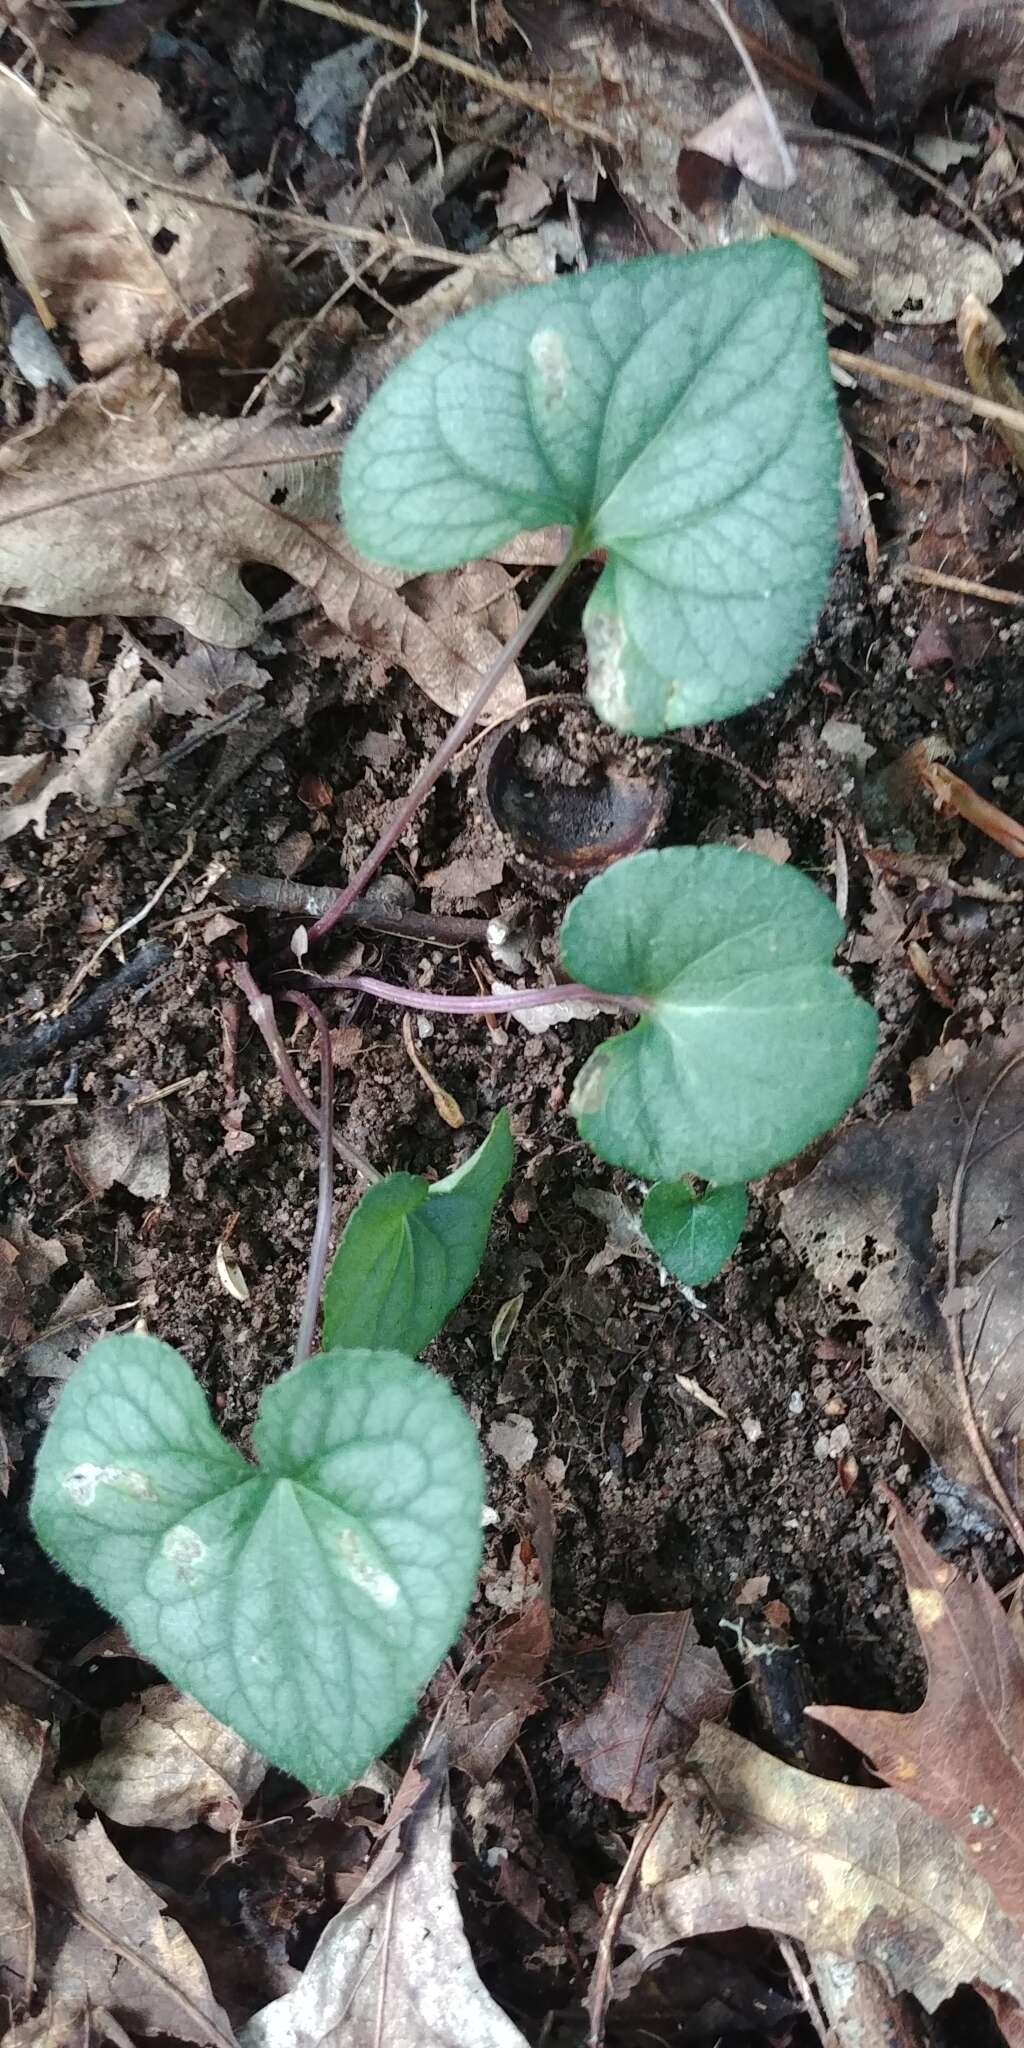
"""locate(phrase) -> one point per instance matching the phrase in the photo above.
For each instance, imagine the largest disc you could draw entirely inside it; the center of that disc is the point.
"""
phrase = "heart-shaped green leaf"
(677, 413)
(692, 1234)
(304, 1600)
(410, 1250)
(751, 1042)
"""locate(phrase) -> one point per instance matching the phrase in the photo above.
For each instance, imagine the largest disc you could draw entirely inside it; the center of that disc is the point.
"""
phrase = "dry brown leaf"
(961, 1755)
(663, 1685)
(952, 793)
(22, 1744)
(166, 1763)
(907, 50)
(83, 236)
(401, 1934)
(132, 1150)
(177, 547)
(871, 1221)
(82, 1315)
(91, 774)
(507, 1694)
(860, 1874)
(673, 94)
(103, 1935)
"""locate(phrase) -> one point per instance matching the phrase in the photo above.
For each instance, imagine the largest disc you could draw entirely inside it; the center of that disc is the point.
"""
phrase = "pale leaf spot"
(378, 1585)
(549, 359)
(927, 1608)
(81, 1483)
(181, 1546)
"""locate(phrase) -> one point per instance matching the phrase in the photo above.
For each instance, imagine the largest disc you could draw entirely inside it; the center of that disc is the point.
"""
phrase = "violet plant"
(676, 415)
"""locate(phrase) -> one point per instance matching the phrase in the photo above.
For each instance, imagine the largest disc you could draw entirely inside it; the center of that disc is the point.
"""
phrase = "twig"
(926, 387)
(491, 81)
(300, 899)
(384, 83)
(757, 86)
(261, 1010)
(600, 1983)
(321, 1245)
(60, 1032)
(936, 579)
(954, 1314)
(66, 998)
(822, 252)
(804, 1990)
(438, 762)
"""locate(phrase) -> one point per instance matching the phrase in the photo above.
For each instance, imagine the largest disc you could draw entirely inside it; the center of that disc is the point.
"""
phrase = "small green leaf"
(694, 1235)
(410, 1250)
(304, 1600)
(677, 413)
(752, 1043)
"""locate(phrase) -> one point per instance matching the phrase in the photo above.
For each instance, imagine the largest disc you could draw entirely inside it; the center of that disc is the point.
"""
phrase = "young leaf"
(678, 414)
(411, 1249)
(303, 1600)
(694, 1235)
(751, 1042)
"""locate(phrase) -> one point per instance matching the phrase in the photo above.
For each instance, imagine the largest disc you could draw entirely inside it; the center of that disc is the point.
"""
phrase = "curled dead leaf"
(960, 1756)
(167, 1763)
(124, 265)
(851, 1872)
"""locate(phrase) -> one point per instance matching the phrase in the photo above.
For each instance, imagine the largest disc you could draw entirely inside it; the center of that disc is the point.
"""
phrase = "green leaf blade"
(412, 1249)
(676, 412)
(753, 1043)
(694, 1236)
(304, 1601)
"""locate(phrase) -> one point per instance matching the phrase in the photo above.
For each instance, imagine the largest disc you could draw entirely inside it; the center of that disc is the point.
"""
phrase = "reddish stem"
(446, 752)
(496, 1004)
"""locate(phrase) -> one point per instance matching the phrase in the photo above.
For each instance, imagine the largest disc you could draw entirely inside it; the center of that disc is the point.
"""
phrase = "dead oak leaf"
(871, 1221)
(908, 50)
(860, 1874)
(104, 1937)
(177, 546)
(401, 1934)
(167, 1763)
(960, 1756)
(663, 1685)
(125, 266)
(22, 1744)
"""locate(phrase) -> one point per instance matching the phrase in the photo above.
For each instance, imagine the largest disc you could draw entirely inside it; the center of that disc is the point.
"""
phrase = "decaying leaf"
(908, 50)
(129, 1149)
(166, 1763)
(103, 1936)
(394, 1969)
(871, 1221)
(75, 1324)
(673, 95)
(856, 1873)
(663, 1685)
(91, 774)
(177, 547)
(22, 1743)
(507, 1693)
(960, 1756)
(125, 266)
